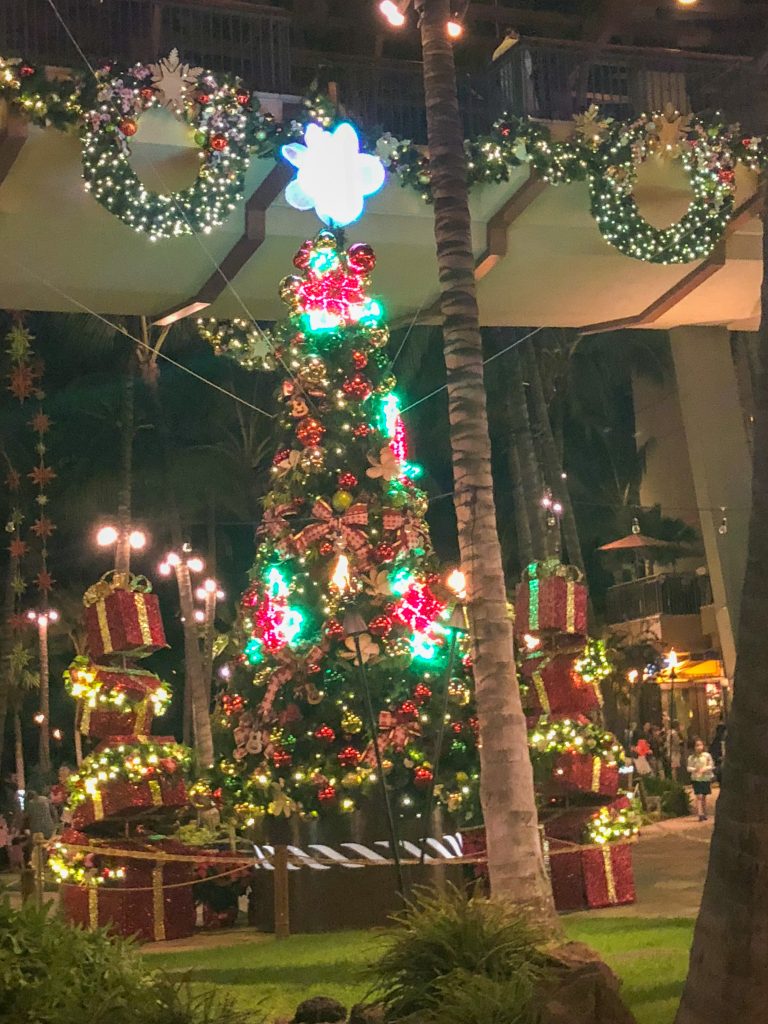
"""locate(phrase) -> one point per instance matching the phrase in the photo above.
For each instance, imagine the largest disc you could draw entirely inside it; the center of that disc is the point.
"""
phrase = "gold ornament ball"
(351, 723)
(325, 240)
(288, 287)
(388, 383)
(351, 780)
(314, 371)
(378, 337)
(420, 504)
(342, 500)
(312, 460)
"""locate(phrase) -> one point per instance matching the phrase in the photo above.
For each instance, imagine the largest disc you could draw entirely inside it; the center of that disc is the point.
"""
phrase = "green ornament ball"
(200, 138)
(342, 500)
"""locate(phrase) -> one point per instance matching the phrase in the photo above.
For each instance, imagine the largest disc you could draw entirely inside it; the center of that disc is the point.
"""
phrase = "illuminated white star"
(333, 177)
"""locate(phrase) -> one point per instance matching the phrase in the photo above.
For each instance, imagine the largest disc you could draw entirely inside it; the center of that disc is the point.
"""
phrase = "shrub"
(674, 799)
(54, 973)
(454, 960)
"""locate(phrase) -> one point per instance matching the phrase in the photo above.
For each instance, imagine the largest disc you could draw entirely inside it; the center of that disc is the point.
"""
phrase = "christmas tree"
(346, 600)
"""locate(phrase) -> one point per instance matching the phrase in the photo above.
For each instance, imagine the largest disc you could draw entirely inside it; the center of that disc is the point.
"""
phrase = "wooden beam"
(687, 284)
(249, 242)
(498, 226)
(14, 132)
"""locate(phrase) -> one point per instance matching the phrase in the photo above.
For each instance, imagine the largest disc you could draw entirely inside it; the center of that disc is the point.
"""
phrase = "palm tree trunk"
(551, 461)
(523, 527)
(197, 719)
(515, 859)
(125, 492)
(530, 469)
(6, 645)
(18, 742)
(728, 974)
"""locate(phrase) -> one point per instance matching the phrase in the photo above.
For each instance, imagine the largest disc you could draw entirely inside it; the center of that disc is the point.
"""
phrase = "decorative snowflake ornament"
(334, 177)
(172, 78)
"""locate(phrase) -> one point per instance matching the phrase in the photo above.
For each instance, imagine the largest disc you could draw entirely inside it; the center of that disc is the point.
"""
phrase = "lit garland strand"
(613, 823)
(594, 664)
(132, 762)
(83, 682)
(574, 736)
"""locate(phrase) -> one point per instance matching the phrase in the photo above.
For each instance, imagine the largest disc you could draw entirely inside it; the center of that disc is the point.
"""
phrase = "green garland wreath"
(708, 160)
(214, 107)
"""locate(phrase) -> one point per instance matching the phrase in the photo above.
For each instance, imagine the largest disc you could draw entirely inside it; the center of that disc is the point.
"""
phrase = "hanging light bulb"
(106, 536)
(393, 13)
(457, 582)
(340, 578)
(454, 28)
(635, 525)
(723, 527)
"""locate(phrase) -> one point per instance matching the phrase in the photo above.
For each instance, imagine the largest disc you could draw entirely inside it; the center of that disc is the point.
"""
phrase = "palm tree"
(728, 974)
(515, 857)
(22, 681)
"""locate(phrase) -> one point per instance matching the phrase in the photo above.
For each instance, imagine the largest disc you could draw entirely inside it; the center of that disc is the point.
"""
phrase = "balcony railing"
(242, 38)
(555, 79)
(668, 594)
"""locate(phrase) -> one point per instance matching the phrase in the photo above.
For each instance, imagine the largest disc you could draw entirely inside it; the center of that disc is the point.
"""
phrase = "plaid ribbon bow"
(346, 526)
(273, 522)
(395, 731)
(410, 534)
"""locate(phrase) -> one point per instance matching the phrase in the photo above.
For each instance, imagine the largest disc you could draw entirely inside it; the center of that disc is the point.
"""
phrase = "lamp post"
(354, 627)
(209, 593)
(672, 661)
(456, 625)
(124, 540)
(43, 717)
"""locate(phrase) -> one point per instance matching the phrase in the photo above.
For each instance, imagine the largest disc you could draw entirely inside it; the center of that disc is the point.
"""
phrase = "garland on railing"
(230, 128)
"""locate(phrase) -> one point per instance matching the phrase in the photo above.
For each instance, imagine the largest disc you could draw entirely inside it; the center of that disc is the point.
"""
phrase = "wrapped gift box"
(122, 617)
(571, 825)
(150, 903)
(566, 871)
(608, 876)
(121, 799)
(473, 844)
(556, 689)
(551, 602)
(97, 715)
(583, 773)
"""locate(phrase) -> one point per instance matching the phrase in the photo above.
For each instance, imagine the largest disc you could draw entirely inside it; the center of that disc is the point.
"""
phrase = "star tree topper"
(334, 177)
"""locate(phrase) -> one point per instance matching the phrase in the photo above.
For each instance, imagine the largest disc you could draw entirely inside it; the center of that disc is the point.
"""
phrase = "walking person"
(675, 749)
(701, 768)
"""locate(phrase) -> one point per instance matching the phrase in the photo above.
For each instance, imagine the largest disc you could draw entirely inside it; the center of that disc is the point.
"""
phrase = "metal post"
(438, 745)
(281, 893)
(38, 841)
(373, 725)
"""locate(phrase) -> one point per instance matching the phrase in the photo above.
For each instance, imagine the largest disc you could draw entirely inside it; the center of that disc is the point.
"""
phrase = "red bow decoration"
(273, 522)
(290, 667)
(347, 526)
(410, 532)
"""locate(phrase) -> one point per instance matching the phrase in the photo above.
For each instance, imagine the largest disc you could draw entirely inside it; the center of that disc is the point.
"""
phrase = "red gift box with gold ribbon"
(123, 617)
(608, 876)
(122, 799)
(154, 900)
(114, 701)
(551, 602)
(555, 688)
(583, 773)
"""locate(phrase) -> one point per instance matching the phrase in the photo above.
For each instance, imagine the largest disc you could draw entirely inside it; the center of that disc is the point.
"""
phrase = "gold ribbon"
(570, 606)
(142, 715)
(93, 907)
(141, 612)
(156, 793)
(541, 691)
(101, 615)
(85, 717)
(158, 905)
(610, 880)
(597, 765)
(98, 806)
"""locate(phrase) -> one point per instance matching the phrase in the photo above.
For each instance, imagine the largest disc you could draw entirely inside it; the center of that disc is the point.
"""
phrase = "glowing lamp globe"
(333, 176)
(137, 539)
(106, 536)
(195, 564)
(454, 29)
(392, 13)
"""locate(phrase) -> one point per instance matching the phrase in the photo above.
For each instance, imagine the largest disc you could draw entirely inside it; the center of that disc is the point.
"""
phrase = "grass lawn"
(649, 955)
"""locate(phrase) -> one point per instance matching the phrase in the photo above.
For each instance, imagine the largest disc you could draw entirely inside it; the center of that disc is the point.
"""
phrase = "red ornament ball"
(281, 758)
(457, 727)
(325, 733)
(147, 94)
(242, 96)
(334, 630)
(326, 548)
(326, 794)
(384, 552)
(347, 480)
(303, 256)
(357, 386)
(349, 757)
(727, 175)
(361, 258)
(360, 359)
(422, 777)
(203, 98)
(219, 143)
(281, 456)
(408, 709)
(422, 693)
(381, 625)
(362, 430)
(310, 432)
(26, 70)
(128, 128)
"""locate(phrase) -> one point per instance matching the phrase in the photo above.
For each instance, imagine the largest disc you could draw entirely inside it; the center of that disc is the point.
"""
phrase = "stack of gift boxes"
(132, 785)
(588, 824)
